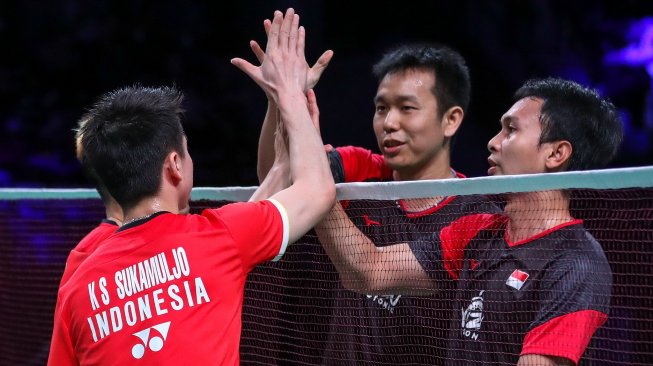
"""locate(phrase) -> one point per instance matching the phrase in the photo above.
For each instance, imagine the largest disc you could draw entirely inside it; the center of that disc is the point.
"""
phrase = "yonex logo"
(151, 341)
(387, 302)
(370, 222)
(473, 264)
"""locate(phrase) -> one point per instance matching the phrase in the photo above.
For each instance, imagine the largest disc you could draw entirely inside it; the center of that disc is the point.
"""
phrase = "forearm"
(277, 180)
(265, 158)
(366, 268)
(348, 248)
(541, 360)
(310, 168)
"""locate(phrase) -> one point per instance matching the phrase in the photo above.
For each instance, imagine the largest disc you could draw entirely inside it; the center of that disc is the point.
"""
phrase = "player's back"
(86, 246)
(170, 288)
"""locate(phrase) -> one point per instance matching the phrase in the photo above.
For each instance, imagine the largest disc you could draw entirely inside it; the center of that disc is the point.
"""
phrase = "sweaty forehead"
(406, 82)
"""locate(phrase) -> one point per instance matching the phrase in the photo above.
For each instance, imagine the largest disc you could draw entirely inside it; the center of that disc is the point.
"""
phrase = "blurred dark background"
(58, 56)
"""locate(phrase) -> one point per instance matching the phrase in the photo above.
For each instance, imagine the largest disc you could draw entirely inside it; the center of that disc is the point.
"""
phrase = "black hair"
(452, 82)
(579, 115)
(127, 136)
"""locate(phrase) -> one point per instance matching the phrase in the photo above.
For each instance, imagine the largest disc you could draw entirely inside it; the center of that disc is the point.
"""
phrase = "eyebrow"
(508, 119)
(398, 98)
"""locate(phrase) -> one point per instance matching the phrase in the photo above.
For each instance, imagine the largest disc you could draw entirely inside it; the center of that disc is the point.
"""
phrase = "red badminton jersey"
(168, 289)
(86, 247)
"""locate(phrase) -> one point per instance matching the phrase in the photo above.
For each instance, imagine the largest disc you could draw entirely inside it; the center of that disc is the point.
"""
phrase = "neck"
(534, 212)
(147, 207)
(113, 212)
(438, 167)
(435, 171)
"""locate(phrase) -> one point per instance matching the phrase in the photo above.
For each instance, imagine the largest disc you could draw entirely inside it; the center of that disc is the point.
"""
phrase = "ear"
(558, 156)
(451, 121)
(173, 166)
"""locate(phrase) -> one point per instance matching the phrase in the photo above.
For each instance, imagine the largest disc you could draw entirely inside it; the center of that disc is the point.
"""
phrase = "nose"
(391, 121)
(494, 143)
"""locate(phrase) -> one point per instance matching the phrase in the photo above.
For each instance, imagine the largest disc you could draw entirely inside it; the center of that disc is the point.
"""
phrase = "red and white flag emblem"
(517, 279)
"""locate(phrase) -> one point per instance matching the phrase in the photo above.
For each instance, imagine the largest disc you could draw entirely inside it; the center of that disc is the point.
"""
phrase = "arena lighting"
(639, 52)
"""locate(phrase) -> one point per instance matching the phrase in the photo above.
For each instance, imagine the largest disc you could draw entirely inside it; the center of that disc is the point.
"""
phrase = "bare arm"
(265, 145)
(278, 177)
(541, 360)
(283, 75)
(364, 267)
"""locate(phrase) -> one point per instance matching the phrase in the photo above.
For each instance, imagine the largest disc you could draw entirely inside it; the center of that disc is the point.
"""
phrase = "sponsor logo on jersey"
(473, 264)
(150, 338)
(387, 302)
(370, 222)
(472, 317)
(517, 279)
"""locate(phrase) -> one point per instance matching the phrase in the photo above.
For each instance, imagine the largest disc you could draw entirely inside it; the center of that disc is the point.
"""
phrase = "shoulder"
(95, 237)
(247, 216)
(576, 243)
(575, 256)
(239, 210)
(356, 164)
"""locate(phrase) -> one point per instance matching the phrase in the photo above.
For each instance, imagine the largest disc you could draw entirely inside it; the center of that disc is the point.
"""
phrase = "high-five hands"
(314, 73)
(284, 66)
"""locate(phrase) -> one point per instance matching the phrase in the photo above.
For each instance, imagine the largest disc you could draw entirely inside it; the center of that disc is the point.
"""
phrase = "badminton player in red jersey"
(168, 288)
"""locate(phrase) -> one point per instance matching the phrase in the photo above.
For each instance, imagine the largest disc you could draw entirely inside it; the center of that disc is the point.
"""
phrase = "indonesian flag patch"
(517, 279)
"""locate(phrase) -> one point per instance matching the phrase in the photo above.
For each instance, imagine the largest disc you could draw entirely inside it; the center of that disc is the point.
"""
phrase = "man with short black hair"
(532, 284)
(168, 288)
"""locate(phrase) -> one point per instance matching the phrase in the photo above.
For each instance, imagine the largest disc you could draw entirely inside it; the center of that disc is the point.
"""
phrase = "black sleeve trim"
(337, 167)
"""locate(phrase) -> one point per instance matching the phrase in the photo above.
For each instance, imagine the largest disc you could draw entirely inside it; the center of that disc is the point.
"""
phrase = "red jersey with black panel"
(546, 295)
(392, 328)
(168, 288)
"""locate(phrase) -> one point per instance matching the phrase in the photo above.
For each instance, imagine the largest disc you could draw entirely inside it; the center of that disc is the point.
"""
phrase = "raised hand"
(314, 73)
(284, 67)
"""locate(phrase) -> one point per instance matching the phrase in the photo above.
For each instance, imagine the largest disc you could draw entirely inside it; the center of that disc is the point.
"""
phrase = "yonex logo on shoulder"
(370, 222)
(151, 341)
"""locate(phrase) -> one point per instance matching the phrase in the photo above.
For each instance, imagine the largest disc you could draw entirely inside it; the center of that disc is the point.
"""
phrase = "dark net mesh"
(297, 312)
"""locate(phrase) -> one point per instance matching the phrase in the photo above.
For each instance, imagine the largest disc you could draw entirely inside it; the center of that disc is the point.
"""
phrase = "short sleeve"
(574, 304)
(453, 239)
(61, 347)
(259, 229)
(355, 164)
(428, 252)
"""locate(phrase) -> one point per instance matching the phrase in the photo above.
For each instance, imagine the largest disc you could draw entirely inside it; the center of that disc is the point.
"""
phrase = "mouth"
(391, 146)
(493, 166)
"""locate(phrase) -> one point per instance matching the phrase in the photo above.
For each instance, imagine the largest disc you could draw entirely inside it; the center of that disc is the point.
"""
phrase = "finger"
(246, 67)
(285, 29)
(313, 109)
(258, 51)
(273, 36)
(301, 41)
(328, 148)
(322, 62)
(267, 24)
(292, 40)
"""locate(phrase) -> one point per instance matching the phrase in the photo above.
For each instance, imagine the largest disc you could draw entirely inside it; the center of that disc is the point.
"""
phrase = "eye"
(380, 108)
(408, 108)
